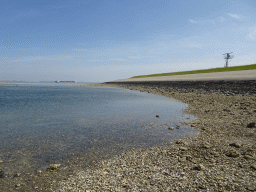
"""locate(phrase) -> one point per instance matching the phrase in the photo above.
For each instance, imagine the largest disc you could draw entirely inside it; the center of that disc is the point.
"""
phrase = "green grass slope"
(236, 68)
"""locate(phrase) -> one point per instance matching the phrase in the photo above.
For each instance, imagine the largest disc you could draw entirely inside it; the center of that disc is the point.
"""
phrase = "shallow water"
(40, 125)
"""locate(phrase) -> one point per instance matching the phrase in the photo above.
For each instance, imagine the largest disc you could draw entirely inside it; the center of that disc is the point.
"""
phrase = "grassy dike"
(236, 68)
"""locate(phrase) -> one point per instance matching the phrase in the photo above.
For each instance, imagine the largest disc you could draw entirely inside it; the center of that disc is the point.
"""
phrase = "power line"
(227, 57)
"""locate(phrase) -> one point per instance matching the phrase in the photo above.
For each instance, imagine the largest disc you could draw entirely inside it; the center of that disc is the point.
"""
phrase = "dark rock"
(237, 145)
(157, 116)
(199, 167)
(199, 186)
(17, 174)
(232, 154)
(179, 142)
(1, 174)
(251, 125)
(253, 166)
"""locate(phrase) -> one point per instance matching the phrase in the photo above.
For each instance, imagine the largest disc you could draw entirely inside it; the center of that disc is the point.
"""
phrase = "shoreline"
(220, 158)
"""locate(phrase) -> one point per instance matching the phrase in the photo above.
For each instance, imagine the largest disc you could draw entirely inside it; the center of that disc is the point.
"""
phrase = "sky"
(100, 41)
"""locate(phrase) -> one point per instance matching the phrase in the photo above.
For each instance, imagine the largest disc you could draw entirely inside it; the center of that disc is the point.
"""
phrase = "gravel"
(220, 158)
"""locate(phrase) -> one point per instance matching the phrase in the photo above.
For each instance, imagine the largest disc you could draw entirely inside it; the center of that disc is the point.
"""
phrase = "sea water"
(40, 125)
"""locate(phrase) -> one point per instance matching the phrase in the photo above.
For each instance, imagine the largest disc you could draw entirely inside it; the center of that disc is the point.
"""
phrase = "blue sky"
(99, 41)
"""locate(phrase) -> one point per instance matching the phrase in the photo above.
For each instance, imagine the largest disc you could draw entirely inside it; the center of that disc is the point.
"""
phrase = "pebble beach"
(220, 158)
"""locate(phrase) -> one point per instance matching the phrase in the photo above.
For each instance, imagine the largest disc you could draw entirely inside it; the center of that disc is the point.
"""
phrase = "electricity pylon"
(227, 57)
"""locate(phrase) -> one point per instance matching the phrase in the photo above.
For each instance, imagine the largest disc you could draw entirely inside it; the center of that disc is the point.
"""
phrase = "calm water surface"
(40, 125)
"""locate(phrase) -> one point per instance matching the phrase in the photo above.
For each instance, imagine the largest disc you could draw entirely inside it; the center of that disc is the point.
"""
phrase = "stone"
(253, 166)
(199, 167)
(199, 186)
(183, 148)
(1, 174)
(215, 153)
(17, 174)
(206, 145)
(182, 159)
(54, 166)
(170, 128)
(251, 125)
(39, 171)
(157, 115)
(179, 142)
(188, 157)
(250, 188)
(1, 162)
(17, 185)
(248, 157)
(237, 145)
(232, 154)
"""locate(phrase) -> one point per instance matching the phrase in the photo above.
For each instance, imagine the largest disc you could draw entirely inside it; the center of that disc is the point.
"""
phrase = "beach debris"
(157, 115)
(151, 124)
(170, 128)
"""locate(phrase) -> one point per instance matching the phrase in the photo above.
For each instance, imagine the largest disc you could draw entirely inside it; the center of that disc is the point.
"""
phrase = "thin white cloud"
(222, 19)
(234, 16)
(192, 21)
(252, 35)
(202, 22)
